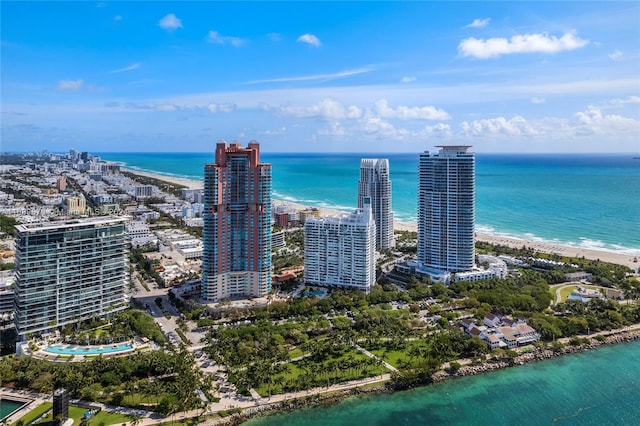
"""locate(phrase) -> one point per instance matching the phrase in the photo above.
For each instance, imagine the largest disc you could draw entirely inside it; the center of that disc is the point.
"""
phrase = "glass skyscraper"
(375, 185)
(68, 271)
(237, 224)
(446, 209)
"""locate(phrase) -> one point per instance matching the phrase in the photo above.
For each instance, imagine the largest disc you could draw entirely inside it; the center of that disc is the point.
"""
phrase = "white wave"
(583, 243)
(311, 202)
(160, 173)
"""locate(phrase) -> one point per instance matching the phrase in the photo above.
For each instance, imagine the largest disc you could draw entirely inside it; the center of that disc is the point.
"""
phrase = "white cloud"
(166, 108)
(378, 126)
(616, 55)
(327, 109)
(221, 107)
(593, 122)
(127, 68)
(382, 108)
(217, 38)
(310, 39)
(408, 79)
(353, 112)
(271, 132)
(70, 85)
(170, 22)
(627, 100)
(516, 126)
(478, 23)
(526, 43)
(117, 18)
(334, 129)
(440, 130)
(325, 77)
(537, 100)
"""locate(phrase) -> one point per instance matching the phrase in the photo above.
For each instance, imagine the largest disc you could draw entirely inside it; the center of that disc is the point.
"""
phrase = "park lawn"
(75, 413)
(141, 400)
(565, 292)
(109, 418)
(295, 353)
(35, 413)
(397, 356)
(310, 369)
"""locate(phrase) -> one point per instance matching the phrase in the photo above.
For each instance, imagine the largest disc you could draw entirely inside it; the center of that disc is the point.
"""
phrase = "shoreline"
(612, 337)
(544, 247)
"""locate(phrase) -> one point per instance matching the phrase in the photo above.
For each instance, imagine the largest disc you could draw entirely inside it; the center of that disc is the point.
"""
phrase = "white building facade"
(446, 209)
(375, 185)
(340, 250)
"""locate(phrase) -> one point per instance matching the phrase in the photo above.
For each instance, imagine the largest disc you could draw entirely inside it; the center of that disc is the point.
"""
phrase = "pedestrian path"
(370, 355)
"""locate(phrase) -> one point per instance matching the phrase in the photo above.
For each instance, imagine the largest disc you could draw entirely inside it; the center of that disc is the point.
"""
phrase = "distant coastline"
(562, 250)
(581, 201)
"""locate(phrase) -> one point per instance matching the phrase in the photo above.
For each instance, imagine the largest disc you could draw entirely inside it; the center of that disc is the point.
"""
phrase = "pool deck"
(80, 356)
(31, 400)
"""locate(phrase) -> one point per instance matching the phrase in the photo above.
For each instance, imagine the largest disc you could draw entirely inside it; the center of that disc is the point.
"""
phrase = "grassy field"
(35, 413)
(295, 353)
(350, 365)
(76, 413)
(396, 356)
(566, 290)
(111, 418)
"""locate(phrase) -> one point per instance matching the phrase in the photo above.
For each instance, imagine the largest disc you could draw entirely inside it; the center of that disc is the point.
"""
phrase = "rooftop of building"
(71, 223)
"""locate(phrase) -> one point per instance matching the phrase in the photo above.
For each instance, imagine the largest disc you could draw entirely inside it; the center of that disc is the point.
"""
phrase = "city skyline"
(321, 77)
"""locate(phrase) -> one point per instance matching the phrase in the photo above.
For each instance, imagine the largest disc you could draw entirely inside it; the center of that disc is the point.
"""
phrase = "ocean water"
(583, 200)
(599, 387)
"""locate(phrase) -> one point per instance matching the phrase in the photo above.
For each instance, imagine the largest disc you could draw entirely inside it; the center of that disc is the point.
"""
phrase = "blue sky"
(320, 77)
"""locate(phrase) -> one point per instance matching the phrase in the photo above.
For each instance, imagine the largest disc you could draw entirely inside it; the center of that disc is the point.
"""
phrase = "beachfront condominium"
(237, 224)
(340, 250)
(68, 271)
(375, 185)
(446, 209)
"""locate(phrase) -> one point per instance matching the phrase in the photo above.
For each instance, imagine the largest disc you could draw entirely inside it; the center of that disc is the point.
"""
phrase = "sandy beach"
(569, 251)
(562, 250)
(189, 183)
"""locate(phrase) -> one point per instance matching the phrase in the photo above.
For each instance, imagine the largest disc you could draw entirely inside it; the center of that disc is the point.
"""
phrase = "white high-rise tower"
(375, 185)
(446, 209)
(340, 250)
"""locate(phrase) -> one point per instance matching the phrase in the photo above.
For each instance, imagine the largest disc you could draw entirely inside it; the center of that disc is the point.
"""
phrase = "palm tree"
(136, 420)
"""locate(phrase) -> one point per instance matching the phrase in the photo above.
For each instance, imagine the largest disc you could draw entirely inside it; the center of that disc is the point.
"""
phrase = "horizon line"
(329, 152)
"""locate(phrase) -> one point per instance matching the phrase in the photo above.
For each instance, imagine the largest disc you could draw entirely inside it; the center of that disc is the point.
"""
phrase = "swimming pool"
(317, 293)
(9, 406)
(87, 350)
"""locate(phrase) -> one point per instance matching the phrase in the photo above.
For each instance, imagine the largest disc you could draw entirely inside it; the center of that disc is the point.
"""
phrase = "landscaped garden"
(82, 415)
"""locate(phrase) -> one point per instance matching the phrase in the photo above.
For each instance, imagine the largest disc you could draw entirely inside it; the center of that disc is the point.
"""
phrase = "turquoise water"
(599, 387)
(8, 406)
(586, 200)
(87, 350)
